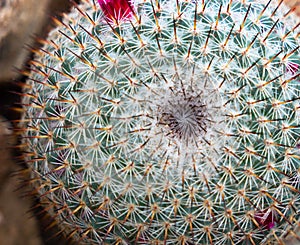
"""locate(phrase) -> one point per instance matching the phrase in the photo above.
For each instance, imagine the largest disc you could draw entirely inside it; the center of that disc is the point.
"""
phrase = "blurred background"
(21, 23)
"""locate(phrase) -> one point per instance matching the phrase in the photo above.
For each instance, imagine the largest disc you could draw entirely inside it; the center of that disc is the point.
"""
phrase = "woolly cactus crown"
(167, 122)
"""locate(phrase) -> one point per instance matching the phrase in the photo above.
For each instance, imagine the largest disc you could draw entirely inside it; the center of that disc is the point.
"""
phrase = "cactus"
(167, 122)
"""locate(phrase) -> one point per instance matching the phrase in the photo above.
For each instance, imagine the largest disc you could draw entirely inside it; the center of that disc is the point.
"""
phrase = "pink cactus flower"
(116, 10)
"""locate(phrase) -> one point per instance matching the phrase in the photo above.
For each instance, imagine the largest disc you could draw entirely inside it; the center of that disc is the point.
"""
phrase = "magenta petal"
(116, 10)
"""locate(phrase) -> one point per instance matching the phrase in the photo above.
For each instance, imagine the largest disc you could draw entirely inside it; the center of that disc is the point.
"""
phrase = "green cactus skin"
(177, 126)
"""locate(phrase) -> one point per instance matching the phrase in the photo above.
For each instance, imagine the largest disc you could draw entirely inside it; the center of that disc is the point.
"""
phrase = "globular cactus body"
(167, 122)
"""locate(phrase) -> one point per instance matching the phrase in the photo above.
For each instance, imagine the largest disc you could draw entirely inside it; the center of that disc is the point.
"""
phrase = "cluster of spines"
(79, 182)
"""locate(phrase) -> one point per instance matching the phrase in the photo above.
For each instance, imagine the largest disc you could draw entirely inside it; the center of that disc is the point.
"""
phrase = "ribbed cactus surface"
(167, 122)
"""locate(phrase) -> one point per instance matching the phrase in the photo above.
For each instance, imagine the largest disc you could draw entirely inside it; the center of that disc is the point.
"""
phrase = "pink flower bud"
(116, 10)
(266, 218)
(292, 68)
